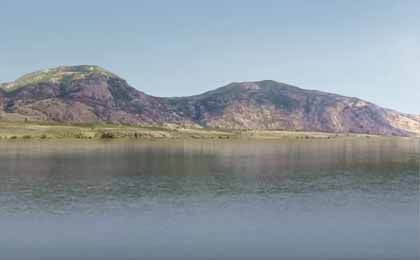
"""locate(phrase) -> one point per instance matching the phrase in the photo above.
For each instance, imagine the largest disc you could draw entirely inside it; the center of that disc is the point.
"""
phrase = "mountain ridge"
(88, 93)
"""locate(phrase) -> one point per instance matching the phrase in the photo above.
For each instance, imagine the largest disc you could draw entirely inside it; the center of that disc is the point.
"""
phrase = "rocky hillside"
(80, 94)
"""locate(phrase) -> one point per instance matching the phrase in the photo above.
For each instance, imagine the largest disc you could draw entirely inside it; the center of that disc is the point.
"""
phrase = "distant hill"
(82, 94)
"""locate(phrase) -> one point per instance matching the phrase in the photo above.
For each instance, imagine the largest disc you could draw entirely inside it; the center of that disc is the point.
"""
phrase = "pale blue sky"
(368, 49)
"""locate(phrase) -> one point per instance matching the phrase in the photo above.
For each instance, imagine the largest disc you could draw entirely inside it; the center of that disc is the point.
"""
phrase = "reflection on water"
(316, 199)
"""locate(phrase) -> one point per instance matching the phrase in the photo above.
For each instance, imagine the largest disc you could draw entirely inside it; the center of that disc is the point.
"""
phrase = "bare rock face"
(82, 94)
(276, 106)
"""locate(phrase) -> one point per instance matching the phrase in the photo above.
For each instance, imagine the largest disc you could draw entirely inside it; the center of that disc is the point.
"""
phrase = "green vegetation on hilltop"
(58, 74)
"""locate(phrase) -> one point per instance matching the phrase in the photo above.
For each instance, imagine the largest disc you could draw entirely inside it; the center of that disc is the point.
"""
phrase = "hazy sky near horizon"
(364, 48)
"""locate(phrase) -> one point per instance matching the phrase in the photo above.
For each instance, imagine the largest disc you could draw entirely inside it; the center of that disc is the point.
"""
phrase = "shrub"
(107, 135)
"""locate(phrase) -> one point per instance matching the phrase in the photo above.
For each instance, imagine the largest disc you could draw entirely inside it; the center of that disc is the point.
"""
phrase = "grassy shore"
(40, 131)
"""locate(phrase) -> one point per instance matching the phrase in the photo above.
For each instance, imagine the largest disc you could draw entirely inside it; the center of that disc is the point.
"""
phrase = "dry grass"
(12, 130)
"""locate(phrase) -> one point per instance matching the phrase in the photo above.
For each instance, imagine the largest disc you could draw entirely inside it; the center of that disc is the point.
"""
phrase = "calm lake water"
(309, 199)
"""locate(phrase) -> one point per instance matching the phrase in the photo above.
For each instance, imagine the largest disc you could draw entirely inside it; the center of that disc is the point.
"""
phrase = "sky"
(362, 48)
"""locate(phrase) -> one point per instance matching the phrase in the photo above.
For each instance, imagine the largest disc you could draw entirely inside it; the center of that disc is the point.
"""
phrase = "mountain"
(80, 94)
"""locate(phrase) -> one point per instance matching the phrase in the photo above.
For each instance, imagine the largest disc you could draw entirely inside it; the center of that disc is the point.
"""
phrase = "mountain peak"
(56, 74)
(80, 69)
(263, 86)
(249, 86)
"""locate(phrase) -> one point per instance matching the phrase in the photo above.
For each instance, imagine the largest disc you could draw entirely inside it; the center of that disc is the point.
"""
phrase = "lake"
(309, 199)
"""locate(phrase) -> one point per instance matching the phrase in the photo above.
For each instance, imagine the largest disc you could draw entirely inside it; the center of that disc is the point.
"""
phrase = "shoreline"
(10, 131)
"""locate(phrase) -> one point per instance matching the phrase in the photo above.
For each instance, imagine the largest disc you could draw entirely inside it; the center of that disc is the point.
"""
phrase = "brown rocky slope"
(82, 94)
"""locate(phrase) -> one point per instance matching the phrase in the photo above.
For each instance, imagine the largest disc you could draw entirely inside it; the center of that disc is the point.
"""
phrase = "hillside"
(90, 94)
